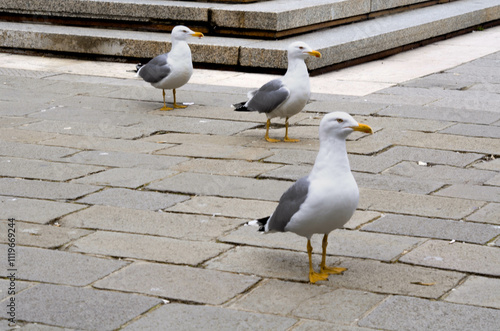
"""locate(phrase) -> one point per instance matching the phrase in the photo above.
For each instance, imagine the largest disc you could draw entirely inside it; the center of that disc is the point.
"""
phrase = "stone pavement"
(131, 218)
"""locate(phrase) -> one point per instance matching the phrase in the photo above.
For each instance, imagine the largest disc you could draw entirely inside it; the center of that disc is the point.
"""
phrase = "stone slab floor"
(127, 217)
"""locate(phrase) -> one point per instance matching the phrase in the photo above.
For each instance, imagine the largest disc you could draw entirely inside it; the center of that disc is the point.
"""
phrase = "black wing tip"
(261, 223)
(138, 66)
(240, 106)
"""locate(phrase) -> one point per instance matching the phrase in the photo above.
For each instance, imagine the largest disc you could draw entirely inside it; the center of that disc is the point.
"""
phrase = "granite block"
(485, 193)
(216, 151)
(487, 214)
(225, 167)
(457, 256)
(84, 308)
(145, 247)
(50, 266)
(377, 5)
(178, 282)
(477, 291)
(442, 113)
(390, 182)
(434, 228)
(433, 156)
(191, 317)
(405, 313)
(174, 225)
(473, 130)
(197, 138)
(43, 189)
(225, 186)
(29, 150)
(34, 211)
(125, 177)
(491, 164)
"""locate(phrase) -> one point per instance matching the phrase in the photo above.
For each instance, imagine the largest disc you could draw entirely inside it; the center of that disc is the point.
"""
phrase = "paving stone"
(324, 326)
(486, 193)
(84, 269)
(120, 197)
(31, 151)
(6, 283)
(178, 282)
(10, 122)
(103, 144)
(174, 225)
(196, 138)
(359, 218)
(33, 326)
(190, 317)
(216, 151)
(443, 174)
(225, 167)
(434, 156)
(41, 235)
(288, 172)
(268, 263)
(477, 291)
(84, 308)
(415, 204)
(302, 132)
(226, 186)
(489, 165)
(405, 313)
(434, 228)
(292, 156)
(487, 214)
(26, 168)
(125, 160)
(43, 189)
(125, 177)
(148, 247)
(396, 183)
(309, 301)
(371, 164)
(495, 181)
(104, 129)
(230, 207)
(34, 211)
(473, 130)
(457, 256)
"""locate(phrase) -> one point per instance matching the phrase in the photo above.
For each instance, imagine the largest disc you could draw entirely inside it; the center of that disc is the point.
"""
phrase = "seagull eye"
(340, 120)
(300, 47)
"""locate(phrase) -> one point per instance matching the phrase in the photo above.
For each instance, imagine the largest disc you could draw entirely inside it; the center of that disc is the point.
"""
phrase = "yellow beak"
(363, 128)
(314, 53)
(198, 34)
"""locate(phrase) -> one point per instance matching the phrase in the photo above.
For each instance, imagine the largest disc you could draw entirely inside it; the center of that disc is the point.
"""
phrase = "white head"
(340, 125)
(301, 50)
(181, 32)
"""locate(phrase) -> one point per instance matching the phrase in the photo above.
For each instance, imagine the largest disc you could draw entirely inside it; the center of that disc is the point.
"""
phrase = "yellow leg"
(267, 133)
(164, 103)
(175, 103)
(314, 276)
(324, 268)
(286, 134)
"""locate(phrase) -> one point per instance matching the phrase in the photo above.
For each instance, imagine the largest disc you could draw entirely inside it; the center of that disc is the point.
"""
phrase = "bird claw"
(332, 270)
(314, 277)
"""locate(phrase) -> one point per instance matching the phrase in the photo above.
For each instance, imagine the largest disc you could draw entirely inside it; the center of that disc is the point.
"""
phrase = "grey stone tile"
(288, 172)
(395, 278)
(495, 181)
(309, 301)
(35, 211)
(441, 173)
(405, 313)
(487, 214)
(434, 228)
(477, 291)
(231, 207)
(457, 256)
(361, 217)
(41, 235)
(196, 139)
(396, 183)
(84, 308)
(190, 317)
(32, 151)
(15, 135)
(43, 189)
(26, 168)
(7, 286)
(325, 326)
(49, 266)
(148, 247)
(10, 122)
(225, 167)
(433, 156)
(371, 164)
(292, 156)
(103, 144)
(416, 204)
(489, 165)
(125, 177)
(125, 160)
(178, 282)
(225, 186)
(174, 225)
(473, 130)
(486, 193)
(217, 151)
(121, 197)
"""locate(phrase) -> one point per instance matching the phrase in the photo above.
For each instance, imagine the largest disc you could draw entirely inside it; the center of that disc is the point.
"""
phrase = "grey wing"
(155, 70)
(268, 97)
(289, 204)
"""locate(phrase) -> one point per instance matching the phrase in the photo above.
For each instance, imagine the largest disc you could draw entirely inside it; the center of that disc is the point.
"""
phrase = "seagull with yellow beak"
(286, 96)
(171, 70)
(325, 199)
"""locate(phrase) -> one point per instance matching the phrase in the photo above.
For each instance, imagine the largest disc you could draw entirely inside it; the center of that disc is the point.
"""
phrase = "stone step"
(266, 19)
(339, 45)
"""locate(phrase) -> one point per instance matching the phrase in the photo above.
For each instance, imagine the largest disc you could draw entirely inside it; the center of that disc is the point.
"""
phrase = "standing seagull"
(325, 199)
(171, 70)
(285, 96)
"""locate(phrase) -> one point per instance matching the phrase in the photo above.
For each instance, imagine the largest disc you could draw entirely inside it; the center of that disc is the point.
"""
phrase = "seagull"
(171, 70)
(325, 199)
(285, 96)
